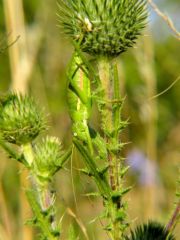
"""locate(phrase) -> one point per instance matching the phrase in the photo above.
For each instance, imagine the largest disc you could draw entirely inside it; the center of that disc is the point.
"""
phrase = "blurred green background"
(36, 63)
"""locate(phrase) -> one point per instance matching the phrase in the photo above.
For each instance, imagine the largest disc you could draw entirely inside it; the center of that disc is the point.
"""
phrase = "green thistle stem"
(42, 203)
(117, 99)
(110, 108)
(106, 114)
(13, 154)
(43, 208)
(47, 199)
(117, 122)
(43, 221)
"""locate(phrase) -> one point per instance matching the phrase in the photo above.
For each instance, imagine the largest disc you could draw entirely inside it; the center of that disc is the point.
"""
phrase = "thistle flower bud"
(150, 231)
(21, 120)
(106, 27)
(48, 158)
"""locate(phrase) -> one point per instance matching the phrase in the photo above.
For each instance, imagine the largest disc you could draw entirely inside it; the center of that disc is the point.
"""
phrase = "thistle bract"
(20, 119)
(151, 231)
(47, 159)
(103, 27)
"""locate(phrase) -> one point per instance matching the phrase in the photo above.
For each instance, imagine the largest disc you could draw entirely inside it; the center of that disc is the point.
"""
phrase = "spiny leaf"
(124, 171)
(118, 194)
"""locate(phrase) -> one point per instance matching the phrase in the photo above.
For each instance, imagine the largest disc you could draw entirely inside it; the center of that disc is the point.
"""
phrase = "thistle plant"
(21, 121)
(103, 29)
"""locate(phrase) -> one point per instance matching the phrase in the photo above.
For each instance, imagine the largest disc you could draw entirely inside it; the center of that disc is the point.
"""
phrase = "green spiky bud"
(21, 120)
(103, 27)
(48, 159)
(150, 231)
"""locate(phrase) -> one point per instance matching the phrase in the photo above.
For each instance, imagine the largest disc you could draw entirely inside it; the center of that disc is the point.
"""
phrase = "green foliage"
(21, 120)
(107, 27)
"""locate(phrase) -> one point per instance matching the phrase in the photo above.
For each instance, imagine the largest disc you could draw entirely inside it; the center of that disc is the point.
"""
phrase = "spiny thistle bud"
(48, 158)
(103, 27)
(20, 119)
(151, 231)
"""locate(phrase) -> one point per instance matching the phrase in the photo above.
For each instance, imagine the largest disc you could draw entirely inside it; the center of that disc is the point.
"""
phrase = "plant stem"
(46, 199)
(42, 202)
(110, 108)
(171, 224)
(43, 221)
(106, 113)
(12, 153)
(117, 123)
(19, 61)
